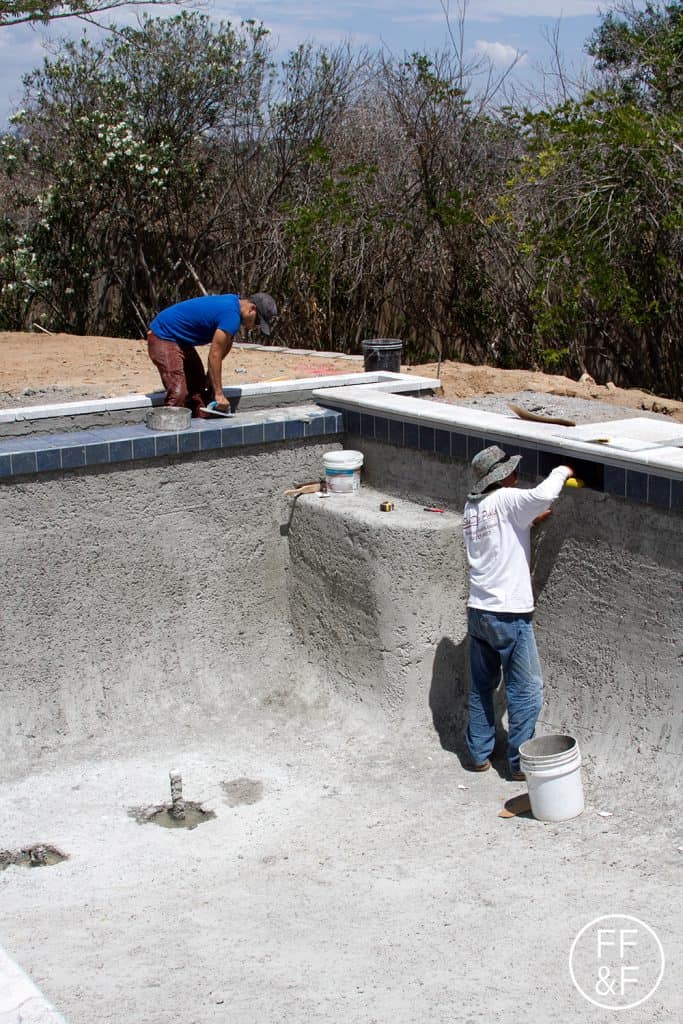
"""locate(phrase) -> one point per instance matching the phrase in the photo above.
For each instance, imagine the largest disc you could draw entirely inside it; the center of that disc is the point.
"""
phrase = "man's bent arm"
(221, 343)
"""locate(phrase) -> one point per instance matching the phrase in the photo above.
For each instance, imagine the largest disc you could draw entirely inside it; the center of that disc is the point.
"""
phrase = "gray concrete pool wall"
(146, 596)
(175, 594)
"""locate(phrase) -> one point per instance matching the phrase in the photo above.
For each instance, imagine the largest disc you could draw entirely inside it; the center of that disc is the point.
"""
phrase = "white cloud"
(499, 54)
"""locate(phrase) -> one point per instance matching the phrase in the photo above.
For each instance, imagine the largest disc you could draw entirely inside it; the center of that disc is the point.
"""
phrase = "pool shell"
(181, 597)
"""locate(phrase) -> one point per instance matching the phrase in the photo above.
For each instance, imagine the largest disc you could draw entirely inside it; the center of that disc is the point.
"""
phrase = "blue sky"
(497, 28)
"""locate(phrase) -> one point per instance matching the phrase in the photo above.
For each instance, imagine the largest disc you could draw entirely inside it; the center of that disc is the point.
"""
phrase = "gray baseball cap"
(490, 467)
(266, 309)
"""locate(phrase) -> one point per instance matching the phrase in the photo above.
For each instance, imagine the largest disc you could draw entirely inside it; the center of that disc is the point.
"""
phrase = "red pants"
(182, 373)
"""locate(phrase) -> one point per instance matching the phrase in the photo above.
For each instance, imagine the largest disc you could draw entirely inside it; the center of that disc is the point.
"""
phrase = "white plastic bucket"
(552, 765)
(342, 471)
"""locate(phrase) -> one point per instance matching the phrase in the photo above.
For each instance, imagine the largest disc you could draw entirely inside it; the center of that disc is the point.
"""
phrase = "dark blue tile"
(209, 439)
(547, 461)
(253, 433)
(24, 462)
(143, 447)
(381, 429)
(474, 445)
(396, 432)
(120, 451)
(659, 491)
(5, 465)
(188, 441)
(293, 429)
(677, 494)
(334, 423)
(274, 431)
(166, 444)
(636, 485)
(74, 457)
(458, 446)
(96, 435)
(49, 458)
(232, 436)
(426, 436)
(96, 454)
(442, 442)
(615, 481)
(29, 443)
(352, 420)
(315, 426)
(367, 425)
(411, 435)
(529, 464)
(125, 433)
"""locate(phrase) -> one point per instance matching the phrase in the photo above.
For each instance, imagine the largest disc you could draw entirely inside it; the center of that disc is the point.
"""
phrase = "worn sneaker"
(517, 775)
(483, 767)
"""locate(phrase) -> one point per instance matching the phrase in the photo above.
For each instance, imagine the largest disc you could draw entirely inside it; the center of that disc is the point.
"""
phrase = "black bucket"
(382, 354)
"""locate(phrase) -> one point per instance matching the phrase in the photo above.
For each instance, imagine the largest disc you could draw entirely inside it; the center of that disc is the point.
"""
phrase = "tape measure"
(386, 506)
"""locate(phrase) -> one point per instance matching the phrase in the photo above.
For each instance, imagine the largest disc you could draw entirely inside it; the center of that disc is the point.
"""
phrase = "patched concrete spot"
(41, 855)
(242, 791)
(161, 814)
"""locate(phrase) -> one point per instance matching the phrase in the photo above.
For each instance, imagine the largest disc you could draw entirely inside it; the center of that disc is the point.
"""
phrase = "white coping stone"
(666, 459)
(637, 429)
(20, 1001)
(473, 421)
(393, 381)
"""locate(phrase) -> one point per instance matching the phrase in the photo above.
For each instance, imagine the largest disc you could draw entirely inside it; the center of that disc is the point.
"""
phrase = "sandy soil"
(41, 368)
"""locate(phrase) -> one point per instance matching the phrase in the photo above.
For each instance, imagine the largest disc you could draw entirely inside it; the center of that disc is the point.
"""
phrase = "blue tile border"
(120, 444)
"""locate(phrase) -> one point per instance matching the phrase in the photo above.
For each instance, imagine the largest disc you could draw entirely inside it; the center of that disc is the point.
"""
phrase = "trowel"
(215, 412)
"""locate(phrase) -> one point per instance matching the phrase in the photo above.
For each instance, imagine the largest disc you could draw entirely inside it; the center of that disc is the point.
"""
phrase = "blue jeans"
(502, 640)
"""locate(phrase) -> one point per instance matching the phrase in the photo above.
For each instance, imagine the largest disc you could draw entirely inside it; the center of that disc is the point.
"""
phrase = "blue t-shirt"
(194, 321)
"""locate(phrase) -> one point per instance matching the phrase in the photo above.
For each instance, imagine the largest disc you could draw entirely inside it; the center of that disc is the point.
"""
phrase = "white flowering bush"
(110, 170)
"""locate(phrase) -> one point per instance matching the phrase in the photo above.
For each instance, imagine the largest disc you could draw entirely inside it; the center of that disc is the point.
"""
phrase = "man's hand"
(221, 343)
(543, 515)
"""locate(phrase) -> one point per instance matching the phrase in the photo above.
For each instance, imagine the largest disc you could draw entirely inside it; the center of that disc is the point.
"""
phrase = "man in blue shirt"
(213, 320)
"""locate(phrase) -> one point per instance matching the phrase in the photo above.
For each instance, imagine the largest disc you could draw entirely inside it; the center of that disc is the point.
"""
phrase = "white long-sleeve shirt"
(497, 530)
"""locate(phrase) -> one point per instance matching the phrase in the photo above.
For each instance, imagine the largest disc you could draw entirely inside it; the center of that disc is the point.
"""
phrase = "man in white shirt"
(497, 525)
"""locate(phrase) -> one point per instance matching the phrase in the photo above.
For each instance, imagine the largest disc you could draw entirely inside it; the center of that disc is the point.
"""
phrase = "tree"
(639, 52)
(111, 170)
(20, 12)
